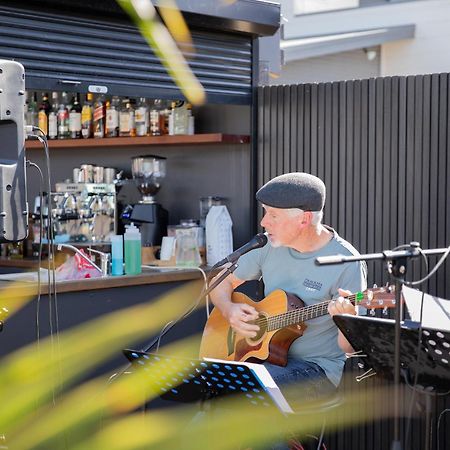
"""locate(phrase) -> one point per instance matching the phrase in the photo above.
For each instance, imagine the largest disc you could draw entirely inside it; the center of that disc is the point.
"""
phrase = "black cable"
(438, 425)
(429, 275)
(41, 219)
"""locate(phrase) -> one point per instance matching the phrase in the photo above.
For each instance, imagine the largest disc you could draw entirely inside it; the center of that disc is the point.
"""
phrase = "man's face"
(283, 228)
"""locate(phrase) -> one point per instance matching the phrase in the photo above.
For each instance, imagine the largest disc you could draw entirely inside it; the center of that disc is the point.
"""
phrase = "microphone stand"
(397, 264)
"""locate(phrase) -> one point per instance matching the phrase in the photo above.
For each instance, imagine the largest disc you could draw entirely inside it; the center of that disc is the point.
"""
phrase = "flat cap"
(294, 190)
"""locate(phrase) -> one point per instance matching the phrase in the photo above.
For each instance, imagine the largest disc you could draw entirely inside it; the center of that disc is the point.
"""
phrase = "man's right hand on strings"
(239, 315)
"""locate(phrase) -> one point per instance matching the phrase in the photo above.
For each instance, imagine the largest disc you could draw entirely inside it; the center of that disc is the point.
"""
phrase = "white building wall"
(429, 51)
(337, 67)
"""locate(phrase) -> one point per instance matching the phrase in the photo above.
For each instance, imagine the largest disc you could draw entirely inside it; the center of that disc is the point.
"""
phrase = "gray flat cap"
(293, 190)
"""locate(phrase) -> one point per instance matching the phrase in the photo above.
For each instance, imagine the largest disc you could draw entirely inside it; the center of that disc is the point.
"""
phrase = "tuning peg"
(372, 312)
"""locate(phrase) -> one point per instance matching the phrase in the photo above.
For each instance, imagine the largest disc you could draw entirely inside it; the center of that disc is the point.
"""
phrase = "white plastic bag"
(219, 236)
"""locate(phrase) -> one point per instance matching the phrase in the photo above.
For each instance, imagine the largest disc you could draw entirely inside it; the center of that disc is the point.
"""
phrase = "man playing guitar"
(293, 205)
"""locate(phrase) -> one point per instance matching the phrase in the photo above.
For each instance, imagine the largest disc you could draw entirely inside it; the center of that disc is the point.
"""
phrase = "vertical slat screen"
(381, 146)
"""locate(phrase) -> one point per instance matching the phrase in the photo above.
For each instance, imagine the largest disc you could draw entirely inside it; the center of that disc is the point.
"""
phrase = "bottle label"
(98, 113)
(43, 121)
(63, 122)
(112, 119)
(141, 121)
(127, 122)
(86, 115)
(52, 125)
(75, 121)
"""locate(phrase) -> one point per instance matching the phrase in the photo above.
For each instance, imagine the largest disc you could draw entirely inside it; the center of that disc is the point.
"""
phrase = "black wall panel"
(381, 146)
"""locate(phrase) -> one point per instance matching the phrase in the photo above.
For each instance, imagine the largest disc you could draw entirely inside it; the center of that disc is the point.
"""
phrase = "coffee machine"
(148, 171)
(84, 212)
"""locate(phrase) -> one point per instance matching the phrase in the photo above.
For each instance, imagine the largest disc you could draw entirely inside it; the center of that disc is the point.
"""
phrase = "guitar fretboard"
(306, 313)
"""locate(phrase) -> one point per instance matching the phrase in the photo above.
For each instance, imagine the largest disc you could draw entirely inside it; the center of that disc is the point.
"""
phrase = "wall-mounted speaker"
(13, 192)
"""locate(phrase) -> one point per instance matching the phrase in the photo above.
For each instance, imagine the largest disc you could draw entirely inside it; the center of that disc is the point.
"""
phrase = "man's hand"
(238, 316)
(342, 305)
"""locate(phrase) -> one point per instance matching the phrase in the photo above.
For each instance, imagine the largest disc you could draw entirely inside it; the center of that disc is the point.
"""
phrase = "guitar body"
(220, 341)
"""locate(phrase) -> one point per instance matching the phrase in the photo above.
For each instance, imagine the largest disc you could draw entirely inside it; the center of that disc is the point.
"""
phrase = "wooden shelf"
(195, 139)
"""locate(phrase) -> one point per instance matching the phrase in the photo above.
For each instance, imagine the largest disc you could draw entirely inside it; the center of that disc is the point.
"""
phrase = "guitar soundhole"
(262, 323)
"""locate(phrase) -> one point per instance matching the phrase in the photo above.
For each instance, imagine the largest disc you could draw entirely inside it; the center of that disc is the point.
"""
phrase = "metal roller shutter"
(69, 53)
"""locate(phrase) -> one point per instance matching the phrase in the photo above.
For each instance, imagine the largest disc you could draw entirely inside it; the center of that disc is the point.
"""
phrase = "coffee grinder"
(148, 171)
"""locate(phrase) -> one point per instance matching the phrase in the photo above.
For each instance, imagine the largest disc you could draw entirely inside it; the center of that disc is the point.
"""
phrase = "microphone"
(260, 240)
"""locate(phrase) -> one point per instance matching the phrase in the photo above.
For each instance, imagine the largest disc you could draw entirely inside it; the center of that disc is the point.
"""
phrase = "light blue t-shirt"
(295, 272)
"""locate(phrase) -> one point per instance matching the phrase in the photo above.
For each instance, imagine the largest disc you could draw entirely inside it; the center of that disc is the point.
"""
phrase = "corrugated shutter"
(67, 53)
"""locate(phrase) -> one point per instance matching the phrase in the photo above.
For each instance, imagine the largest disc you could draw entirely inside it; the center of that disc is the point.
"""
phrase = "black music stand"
(192, 380)
(375, 337)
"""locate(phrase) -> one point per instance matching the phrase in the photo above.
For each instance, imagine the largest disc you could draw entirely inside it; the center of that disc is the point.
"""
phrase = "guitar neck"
(300, 315)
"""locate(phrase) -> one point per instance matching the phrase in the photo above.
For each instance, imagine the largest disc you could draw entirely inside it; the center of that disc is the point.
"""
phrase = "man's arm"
(237, 314)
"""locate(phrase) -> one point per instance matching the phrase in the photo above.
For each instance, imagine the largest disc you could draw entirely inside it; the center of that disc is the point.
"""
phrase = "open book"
(265, 380)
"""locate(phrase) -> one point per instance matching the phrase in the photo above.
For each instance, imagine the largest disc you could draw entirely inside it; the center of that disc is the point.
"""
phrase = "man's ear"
(307, 218)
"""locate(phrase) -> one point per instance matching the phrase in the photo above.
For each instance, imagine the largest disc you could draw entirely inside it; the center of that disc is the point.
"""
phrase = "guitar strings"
(301, 314)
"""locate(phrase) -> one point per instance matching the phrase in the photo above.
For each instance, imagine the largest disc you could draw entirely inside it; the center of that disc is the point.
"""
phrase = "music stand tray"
(191, 380)
(375, 338)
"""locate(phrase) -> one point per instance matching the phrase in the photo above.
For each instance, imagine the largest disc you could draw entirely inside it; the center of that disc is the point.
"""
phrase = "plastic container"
(132, 244)
(117, 255)
(219, 236)
(187, 251)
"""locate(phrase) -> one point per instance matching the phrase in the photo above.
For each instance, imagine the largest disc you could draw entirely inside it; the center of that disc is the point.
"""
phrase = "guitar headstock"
(375, 298)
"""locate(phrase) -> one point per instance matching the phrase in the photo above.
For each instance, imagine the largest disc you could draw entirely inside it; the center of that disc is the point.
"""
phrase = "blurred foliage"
(164, 39)
(45, 406)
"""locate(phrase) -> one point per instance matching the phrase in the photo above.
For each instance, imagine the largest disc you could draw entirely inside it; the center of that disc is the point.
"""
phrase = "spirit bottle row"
(61, 118)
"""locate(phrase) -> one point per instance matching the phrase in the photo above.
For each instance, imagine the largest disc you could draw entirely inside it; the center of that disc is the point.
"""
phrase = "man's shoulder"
(342, 246)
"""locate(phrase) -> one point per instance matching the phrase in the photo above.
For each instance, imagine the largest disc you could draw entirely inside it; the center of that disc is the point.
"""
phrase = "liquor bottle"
(127, 125)
(44, 110)
(63, 118)
(142, 118)
(190, 119)
(180, 118)
(112, 118)
(99, 117)
(165, 114)
(53, 118)
(31, 115)
(75, 118)
(156, 118)
(87, 116)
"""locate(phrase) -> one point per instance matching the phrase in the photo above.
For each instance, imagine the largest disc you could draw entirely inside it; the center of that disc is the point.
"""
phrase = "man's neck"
(313, 239)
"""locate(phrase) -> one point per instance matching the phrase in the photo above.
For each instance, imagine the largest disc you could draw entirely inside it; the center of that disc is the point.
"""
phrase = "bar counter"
(148, 276)
(80, 301)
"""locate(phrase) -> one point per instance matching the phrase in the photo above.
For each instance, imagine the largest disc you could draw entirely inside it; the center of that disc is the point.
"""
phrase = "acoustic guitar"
(281, 318)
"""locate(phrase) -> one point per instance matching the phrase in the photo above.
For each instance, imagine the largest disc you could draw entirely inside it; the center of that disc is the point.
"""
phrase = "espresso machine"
(148, 171)
(84, 212)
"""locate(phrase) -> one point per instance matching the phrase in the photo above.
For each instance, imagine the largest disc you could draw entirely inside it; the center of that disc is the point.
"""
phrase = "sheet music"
(436, 311)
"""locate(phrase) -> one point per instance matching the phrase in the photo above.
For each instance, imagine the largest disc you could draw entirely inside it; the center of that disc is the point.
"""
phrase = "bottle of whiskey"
(44, 110)
(127, 124)
(142, 118)
(75, 118)
(87, 114)
(53, 117)
(112, 118)
(63, 118)
(99, 117)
